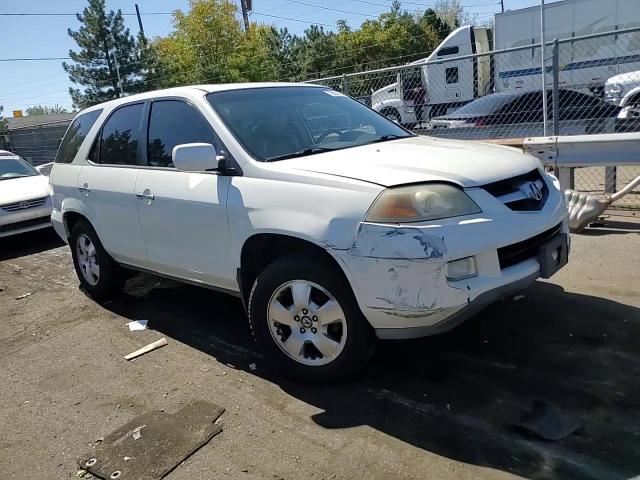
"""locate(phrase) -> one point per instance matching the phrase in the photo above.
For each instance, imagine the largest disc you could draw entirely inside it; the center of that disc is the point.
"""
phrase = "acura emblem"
(534, 192)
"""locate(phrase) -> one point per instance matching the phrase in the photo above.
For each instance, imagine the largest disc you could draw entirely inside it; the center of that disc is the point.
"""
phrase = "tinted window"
(451, 75)
(172, 123)
(485, 105)
(281, 122)
(448, 51)
(76, 133)
(119, 140)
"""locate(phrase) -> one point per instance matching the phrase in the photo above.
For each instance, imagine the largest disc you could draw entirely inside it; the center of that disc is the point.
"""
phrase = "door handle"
(85, 189)
(146, 195)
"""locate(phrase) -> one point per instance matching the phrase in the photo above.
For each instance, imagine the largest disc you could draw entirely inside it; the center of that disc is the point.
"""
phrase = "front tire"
(305, 319)
(99, 275)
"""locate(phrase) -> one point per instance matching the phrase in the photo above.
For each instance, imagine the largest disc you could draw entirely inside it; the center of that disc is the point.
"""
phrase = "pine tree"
(106, 49)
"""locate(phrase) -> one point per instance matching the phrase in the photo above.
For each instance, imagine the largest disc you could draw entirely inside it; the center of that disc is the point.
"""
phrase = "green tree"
(106, 49)
(200, 47)
(45, 110)
(4, 139)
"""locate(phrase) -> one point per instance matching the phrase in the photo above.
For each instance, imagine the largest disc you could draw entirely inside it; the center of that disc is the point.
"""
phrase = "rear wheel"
(305, 319)
(99, 274)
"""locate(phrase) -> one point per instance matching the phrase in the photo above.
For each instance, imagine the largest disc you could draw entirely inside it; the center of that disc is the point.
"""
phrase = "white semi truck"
(440, 82)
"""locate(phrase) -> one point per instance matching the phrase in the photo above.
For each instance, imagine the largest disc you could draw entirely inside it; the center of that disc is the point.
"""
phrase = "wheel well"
(633, 100)
(70, 219)
(261, 249)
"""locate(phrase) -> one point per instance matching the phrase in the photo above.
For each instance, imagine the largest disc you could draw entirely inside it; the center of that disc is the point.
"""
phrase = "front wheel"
(305, 319)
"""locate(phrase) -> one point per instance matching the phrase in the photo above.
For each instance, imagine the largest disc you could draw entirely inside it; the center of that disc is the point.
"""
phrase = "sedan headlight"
(419, 203)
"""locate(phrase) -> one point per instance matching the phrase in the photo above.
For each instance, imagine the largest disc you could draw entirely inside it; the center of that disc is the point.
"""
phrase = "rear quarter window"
(75, 135)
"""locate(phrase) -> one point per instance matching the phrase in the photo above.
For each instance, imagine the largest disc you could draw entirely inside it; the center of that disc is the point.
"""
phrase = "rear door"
(106, 185)
(183, 214)
(64, 174)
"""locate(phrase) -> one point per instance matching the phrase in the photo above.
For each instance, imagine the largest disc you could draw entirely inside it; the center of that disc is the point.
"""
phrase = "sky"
(28, 83)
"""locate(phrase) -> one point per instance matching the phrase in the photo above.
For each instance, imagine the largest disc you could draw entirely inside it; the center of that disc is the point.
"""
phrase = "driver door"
(183, 214)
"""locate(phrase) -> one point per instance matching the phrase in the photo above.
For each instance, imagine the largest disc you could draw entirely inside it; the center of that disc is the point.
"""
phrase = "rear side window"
(448, 51)
(451, 75)
(172, 123)
(119, 139)
(76, 133)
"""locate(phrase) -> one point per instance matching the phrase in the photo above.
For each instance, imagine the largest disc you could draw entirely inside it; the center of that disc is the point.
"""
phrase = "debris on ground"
(24, 295)
(168, 440)
(548, 421)
(253, 367)
(137, 325)
(146, 349)
(517, 298)
(136, 432)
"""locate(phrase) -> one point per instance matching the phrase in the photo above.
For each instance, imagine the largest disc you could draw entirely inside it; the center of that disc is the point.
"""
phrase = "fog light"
(462, 269)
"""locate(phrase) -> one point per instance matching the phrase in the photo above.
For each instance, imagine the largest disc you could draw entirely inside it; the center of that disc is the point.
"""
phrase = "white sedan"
(25, 202)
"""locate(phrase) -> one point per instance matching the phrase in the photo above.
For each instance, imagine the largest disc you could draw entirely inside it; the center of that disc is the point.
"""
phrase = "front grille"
(518, 193)
(521, 251)
(24, 224)
(14, 207)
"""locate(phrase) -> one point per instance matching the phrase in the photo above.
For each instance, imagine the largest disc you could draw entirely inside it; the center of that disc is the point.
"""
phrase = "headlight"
(419, 203)
(613, 88)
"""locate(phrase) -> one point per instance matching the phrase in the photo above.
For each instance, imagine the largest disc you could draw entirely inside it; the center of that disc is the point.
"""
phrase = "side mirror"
(195, 157)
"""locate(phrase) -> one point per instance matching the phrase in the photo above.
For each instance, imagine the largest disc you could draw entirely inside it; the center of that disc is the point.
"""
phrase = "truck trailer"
(457, 72)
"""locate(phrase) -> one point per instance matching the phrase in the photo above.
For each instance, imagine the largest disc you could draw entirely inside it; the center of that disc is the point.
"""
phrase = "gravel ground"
(440, 407)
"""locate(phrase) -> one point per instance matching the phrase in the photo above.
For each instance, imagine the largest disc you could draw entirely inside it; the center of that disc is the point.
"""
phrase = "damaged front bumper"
(399, 273)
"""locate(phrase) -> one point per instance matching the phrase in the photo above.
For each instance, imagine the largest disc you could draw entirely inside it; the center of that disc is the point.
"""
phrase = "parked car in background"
(25, 203)
(624, 90)
(509, 115)
(334, 225)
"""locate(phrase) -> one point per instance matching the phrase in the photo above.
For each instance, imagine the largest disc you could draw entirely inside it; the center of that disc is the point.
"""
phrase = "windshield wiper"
(300, 153)
(386, 138)
(14, 176)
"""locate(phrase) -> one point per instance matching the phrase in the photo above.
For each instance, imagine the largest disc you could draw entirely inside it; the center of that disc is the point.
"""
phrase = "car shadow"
(459, 394)
(29, 243)
(611, 227)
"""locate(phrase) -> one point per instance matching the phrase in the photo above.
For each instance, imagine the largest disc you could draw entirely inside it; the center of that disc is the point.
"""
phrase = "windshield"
(14, 168)
(283, 122)
(484, 105)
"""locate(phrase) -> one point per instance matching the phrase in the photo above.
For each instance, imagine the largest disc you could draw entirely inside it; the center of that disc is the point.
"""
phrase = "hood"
(18, 189)
(625, 78)
(420, 159)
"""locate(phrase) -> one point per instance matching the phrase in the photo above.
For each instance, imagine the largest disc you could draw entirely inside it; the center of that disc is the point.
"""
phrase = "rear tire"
(320, 334)
(100, 276)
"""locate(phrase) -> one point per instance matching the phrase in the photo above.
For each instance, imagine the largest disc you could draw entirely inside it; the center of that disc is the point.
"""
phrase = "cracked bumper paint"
(399, 273)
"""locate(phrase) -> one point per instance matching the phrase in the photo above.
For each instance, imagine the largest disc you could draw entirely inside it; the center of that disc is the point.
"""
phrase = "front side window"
(119, 139)
(284, 122)
(14, 168)
(171, 123)
(76, 133)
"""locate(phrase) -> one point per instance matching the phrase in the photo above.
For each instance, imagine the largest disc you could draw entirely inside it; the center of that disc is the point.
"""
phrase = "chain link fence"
(591, 86)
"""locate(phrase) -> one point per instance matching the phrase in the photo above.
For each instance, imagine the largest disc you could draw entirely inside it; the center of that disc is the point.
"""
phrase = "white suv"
(334, 225)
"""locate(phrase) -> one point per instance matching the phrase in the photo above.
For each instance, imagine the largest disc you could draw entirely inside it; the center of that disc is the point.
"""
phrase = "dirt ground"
(443, 407)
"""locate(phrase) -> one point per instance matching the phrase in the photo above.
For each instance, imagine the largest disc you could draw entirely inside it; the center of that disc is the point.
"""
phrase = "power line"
(71, 14)
(37, 59)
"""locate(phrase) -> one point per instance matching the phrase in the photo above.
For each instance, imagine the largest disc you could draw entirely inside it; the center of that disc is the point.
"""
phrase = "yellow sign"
(17, 113)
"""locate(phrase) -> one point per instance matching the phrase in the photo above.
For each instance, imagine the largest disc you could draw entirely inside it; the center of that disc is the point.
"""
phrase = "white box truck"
(435, 85)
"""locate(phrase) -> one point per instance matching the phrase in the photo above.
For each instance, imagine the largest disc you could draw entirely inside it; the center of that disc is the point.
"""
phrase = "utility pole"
(246, 8)
(144, 39)
(544, 70)
(501, 5)
(115, 61)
